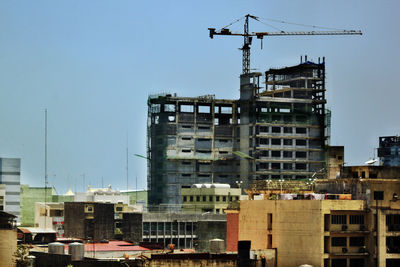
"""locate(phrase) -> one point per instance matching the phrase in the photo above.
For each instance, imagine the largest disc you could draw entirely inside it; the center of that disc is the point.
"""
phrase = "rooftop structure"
(389, 150)
(278, 132)
(209, 198)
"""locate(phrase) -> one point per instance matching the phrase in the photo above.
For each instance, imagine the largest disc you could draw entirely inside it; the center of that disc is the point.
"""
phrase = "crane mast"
(247, 37)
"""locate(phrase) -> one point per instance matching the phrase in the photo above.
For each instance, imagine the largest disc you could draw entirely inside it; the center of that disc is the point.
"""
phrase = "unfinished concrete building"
(276, 132)
(389, 150)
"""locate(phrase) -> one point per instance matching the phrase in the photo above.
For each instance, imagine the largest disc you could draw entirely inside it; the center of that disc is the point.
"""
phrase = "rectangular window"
(287, 142)
(378, 195)
(226, 110)
(210, 198)
(269, 241)
(191, 198)
(301, 166)
(356, 219)
(301, 142)
(338, 219)
(269, 221)
(287, 166)
(301, 130)
(357, 241)
(301, 154)
(169, 108)
(264, 129)
(217, 198)
(204, 109)
(287, 129)
(275, 154)
(276, 129)
(224, 199)
(275, 166)
(287, 119)
(338, 242)
(187, 108)
(184, 198)
(198, 198)
(276, 142)
(204, 199)
(264, 141)
(287, 154)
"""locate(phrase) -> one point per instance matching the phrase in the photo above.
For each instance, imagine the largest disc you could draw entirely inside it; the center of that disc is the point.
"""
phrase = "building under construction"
(277, 132)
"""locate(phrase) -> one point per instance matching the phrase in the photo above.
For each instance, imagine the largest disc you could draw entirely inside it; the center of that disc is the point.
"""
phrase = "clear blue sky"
(92, 64)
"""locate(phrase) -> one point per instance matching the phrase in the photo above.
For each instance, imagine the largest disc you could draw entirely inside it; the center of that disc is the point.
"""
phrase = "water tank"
(56, 248)
(220, 186)
(77, 251)
(217, 246)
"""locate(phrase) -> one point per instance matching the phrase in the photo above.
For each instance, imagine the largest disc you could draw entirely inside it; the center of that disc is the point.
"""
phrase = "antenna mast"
(45, 167)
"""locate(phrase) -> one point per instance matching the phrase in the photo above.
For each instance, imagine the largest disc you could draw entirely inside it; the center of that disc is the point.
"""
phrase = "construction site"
(277, 130)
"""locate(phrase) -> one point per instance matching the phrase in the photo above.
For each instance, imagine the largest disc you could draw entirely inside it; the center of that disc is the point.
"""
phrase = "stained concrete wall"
(207, 230)
(8, 246)
(132, 227)
(294, 227)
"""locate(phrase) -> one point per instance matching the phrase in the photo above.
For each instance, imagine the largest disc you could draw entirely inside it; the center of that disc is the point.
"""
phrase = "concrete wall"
(8, 246)
(132, 227)
(295, 228)
(207, 230)
(74, 219)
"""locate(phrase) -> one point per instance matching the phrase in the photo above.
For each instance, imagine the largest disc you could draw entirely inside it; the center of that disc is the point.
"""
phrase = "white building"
(105, 195)
(10, 172)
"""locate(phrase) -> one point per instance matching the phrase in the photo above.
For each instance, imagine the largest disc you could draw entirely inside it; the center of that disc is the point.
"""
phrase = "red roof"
(23, 230)
(113, 246)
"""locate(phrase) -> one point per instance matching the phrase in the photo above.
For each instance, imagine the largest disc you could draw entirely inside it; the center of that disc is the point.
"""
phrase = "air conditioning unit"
(344, 250)
(344, 227)
(363, 227)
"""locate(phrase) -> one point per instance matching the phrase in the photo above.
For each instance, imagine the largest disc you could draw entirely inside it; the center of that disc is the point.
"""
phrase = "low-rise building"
(210, 198)
(89, 220)
(358, 228)
(50, 216)
(183, 230)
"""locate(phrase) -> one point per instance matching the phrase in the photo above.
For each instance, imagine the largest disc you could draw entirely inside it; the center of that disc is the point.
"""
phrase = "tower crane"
(248, 36)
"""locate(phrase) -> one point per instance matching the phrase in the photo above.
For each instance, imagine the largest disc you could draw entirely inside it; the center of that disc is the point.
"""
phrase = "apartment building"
(276, 132)
(10, 172)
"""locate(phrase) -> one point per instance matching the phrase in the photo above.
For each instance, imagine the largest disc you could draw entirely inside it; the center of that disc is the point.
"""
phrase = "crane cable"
(230, 24)
(303, 25)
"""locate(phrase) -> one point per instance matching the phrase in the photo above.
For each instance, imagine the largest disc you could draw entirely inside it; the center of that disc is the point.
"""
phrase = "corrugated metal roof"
(113, 246)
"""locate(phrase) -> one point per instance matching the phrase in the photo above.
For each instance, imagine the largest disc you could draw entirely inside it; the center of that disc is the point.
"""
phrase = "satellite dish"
(371, 161)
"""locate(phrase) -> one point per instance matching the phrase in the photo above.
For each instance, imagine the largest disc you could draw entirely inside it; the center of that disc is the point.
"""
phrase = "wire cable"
(230, 24)
(303, 25)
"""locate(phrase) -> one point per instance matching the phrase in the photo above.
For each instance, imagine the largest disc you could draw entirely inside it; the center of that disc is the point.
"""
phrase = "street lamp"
(281, 181)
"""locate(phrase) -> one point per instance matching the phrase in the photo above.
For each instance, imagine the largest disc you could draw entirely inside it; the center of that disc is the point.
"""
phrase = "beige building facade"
(330, 232)
(210, 198)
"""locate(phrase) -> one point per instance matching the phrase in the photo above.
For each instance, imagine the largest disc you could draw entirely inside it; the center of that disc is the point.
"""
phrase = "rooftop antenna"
(45, 167)
(127, 163)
